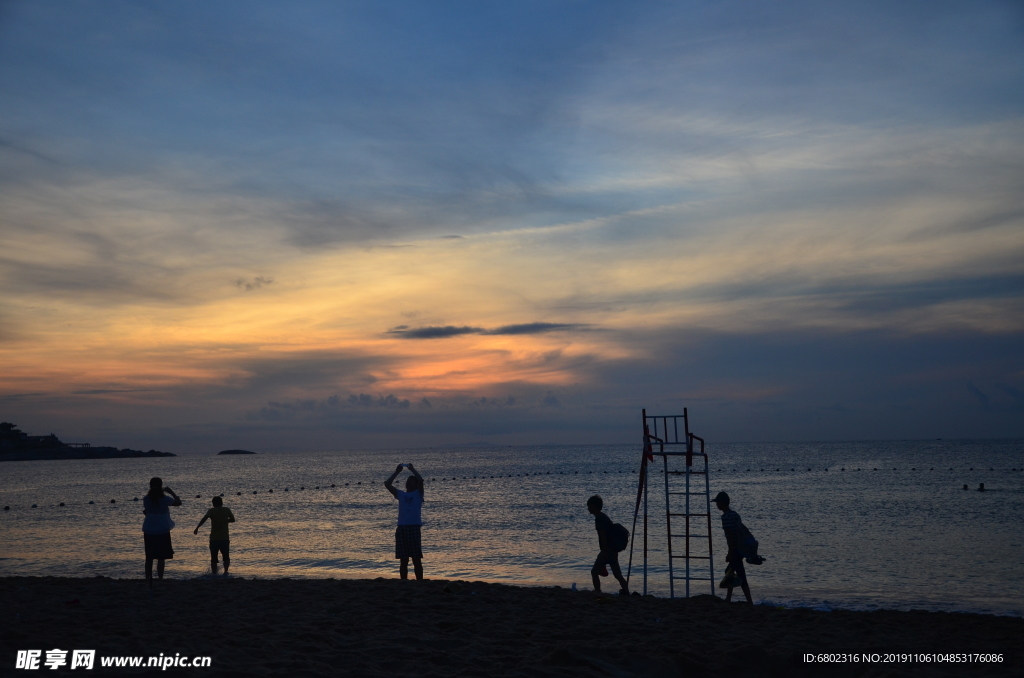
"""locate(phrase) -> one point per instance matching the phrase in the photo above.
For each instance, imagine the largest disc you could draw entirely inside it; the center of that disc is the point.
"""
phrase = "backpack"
(748, 546)
(618, 537)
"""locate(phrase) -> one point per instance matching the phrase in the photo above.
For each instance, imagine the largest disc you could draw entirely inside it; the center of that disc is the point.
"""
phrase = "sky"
(322, 225)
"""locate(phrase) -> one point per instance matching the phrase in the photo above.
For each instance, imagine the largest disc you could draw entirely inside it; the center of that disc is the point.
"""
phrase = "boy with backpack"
(609, 537)
(736, 535)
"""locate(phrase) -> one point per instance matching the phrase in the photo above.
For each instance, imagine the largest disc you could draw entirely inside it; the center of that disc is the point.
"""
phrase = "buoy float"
(7, 508)
(271, 489)
(113, 501)
(62, 503)
(135, 498)
(254, 491)
(198, 497)
(981, 487)
(34, 506)
(91, 502)
(239, 494)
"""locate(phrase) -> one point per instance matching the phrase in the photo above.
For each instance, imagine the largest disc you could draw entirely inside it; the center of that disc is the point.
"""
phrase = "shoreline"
(790, 600)
(371, 627)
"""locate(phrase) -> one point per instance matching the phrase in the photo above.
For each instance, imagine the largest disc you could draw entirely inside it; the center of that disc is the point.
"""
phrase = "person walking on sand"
(733, 527)
(157, 526)
(407, 536)
(219, 517)
(609, 555)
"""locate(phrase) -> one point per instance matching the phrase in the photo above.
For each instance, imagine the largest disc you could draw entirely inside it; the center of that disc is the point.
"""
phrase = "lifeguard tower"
(687, 492)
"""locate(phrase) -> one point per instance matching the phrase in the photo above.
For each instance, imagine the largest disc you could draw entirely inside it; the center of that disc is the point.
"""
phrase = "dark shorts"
(220, 545)
(609, 558)
(407, 542)
(158, 546)
(737, 567)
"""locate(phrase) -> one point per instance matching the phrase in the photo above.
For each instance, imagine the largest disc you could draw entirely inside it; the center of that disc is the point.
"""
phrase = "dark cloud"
(431, 332)
(536, 328)
(106, 391)
(982, 397)
(1015, 393)
(254, 284)
(6, 145)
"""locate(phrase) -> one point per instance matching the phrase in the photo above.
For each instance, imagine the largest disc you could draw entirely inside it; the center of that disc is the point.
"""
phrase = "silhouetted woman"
(157, 526)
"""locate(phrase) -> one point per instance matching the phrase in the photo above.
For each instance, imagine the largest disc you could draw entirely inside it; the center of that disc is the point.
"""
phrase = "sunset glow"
(331, 230)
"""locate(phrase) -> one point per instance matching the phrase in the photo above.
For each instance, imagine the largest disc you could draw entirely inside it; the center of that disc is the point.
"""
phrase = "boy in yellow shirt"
(219, 517)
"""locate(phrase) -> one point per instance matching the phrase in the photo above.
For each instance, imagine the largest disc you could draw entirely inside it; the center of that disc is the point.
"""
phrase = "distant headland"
(16, 445)
(235, 452)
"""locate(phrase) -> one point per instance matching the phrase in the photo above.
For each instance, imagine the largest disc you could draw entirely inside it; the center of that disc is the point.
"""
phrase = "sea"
(842, 525)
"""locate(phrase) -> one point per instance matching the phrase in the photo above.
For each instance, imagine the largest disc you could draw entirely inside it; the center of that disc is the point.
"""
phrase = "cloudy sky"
(332, 225)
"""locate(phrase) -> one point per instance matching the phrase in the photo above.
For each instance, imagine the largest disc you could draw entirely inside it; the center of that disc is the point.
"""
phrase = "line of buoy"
(981, 487)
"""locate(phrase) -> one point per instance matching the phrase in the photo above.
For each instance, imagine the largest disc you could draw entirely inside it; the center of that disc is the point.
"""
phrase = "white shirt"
(409, 504)
(158, 520)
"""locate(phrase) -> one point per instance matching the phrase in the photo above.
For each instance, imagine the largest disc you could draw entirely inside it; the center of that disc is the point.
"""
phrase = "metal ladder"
(692, 516)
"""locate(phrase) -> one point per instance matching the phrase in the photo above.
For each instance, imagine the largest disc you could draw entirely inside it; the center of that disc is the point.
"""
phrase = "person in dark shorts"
(608, 557)
(156, 528)
(407, 536)
(733, 527)
(219, 517)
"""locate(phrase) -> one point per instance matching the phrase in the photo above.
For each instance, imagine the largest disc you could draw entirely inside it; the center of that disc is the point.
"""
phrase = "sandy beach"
(388, 627)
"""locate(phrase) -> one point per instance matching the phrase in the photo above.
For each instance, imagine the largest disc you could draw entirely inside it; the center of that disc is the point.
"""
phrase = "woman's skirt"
(158, 546)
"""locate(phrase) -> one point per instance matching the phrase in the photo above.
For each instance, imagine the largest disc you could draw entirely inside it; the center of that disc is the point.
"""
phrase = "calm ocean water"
(904, 536)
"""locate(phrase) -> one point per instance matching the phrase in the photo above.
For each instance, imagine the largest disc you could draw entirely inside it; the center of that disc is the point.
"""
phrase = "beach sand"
(388, 627)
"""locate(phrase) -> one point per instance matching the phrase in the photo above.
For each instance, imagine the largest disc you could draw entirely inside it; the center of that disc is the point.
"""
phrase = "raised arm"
(231, 516)
(177, 499)
(196, 531)
(387, 483)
